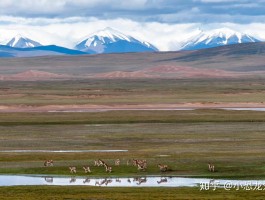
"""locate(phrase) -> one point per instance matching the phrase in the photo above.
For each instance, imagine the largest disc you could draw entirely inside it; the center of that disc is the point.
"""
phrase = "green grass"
(123, 117)
(232, 140)
(89, 193)
(235, 147)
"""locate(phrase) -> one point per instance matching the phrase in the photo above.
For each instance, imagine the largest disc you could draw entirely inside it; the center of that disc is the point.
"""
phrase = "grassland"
(233, 140)
(109, 92)
(185, 140)
(89, 193)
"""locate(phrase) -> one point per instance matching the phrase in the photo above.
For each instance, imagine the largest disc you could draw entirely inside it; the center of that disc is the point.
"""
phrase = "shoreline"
(146, 107)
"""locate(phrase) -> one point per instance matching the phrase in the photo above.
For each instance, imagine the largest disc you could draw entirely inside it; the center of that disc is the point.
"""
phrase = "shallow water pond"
(149, 181)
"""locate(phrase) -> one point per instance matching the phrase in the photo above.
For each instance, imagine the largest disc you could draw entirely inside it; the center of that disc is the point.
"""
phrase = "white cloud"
(68, 31)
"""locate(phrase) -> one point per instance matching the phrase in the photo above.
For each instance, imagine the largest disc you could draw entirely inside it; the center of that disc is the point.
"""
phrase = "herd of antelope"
(140, 164)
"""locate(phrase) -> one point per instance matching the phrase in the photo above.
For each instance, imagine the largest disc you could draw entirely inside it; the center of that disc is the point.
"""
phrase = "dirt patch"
(122, 74)
(100, 108)
(33, 75)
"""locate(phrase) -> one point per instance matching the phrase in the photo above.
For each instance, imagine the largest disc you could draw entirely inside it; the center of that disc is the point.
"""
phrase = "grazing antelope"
(48, 163)
(108, 168)
(211, 167)
(141, 167)
(87, 169)
(163, 168)
(134, 162)
(162, 180)
(72, 169)
(117, 162)
(141, 164)
(96, 163)
(101, 162)
(128, 162)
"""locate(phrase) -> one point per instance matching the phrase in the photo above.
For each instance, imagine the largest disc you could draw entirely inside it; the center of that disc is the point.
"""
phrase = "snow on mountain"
(22, 42)
(112, 41)
(217, 37)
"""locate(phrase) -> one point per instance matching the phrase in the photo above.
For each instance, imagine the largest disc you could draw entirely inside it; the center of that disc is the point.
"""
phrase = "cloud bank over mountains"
(166, 23)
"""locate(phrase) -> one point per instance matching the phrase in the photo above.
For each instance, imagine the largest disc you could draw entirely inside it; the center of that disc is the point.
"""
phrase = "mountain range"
(109, 40)
(239, 61)
(217, 37)
(112, 41)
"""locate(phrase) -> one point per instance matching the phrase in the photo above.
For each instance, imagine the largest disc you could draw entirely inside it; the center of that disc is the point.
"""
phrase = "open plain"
(173, 118)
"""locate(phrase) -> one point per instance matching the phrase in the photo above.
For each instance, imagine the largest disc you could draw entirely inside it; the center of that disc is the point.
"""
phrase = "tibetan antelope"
(163, 168)
(128, 162)
(108, 168)
(48, 163)
(141, 164)
(117, 162)
(87, 169)
(72, 169)
(211, 167)
(96, 163)
(141, 167)
(162, 180)
(100, 162)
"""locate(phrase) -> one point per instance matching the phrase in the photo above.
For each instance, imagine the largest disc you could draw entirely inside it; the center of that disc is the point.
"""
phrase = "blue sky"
(52, 21)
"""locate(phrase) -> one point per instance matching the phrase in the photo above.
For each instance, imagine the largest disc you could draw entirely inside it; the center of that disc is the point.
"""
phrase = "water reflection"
(48, 179)
(146, 181)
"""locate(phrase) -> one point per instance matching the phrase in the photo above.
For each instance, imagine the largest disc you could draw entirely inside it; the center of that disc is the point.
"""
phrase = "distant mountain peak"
(217, 37)
(20, 41)
(110, 40)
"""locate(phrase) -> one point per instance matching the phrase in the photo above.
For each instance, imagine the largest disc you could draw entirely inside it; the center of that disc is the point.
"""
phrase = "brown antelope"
(96, 163)
(211, 167)
(128, 162)
(162, 180)
(141, 167)
(141, 164)
(72, 169)
(100, 162)
(162, 168)
(117, 162)
(48, 163)
(87, 169)
(108, 168)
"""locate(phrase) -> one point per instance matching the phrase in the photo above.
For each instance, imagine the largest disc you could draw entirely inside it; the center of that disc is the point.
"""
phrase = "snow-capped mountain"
(112, 41)
(22, 42)
(217, 37)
